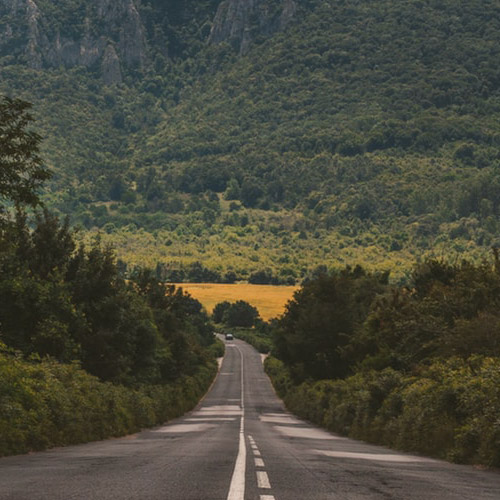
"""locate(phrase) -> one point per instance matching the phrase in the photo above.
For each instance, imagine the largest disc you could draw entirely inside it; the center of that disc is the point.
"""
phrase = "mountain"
(266, 135)
(110, 35)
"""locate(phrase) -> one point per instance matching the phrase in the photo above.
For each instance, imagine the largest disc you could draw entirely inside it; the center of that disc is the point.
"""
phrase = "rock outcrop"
(109, 36)
(113, 38)
(110, 67)
(239, 22)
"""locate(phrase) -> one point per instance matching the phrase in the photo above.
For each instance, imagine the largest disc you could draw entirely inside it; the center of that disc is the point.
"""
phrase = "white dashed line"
(262, 477)
(263, 480)
(237, 488)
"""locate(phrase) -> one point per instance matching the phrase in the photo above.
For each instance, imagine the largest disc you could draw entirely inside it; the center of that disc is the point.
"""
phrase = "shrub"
(449, 410)
(46, 403)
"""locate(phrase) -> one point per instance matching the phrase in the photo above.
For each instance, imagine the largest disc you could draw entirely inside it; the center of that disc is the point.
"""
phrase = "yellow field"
(270, 300)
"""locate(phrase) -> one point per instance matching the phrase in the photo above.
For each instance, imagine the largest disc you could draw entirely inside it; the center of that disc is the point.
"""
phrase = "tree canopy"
(22, 171)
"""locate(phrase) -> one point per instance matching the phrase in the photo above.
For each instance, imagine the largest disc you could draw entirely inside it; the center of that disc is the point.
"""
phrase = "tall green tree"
(22, 171)
(241, 313)
(314, 334)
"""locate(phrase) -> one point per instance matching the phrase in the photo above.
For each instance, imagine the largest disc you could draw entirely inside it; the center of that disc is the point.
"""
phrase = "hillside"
(268, 135)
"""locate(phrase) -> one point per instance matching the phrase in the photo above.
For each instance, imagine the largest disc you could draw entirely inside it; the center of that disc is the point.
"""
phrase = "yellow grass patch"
(270, 300)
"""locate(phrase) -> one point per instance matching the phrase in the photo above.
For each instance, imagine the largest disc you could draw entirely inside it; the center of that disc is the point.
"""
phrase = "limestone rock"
(240, 21)
(113, 38)
(111, 72)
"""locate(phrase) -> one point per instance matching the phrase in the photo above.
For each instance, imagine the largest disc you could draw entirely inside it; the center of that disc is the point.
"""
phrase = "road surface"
(239, 443)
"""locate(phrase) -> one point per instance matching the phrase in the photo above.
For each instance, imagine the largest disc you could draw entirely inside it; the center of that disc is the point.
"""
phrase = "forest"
(364, 132)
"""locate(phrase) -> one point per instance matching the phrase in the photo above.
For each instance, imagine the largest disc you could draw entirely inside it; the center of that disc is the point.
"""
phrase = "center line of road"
(263, 480)
(237, 488)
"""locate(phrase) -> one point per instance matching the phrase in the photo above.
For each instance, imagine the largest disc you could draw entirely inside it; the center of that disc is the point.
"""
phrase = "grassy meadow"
(270, 300)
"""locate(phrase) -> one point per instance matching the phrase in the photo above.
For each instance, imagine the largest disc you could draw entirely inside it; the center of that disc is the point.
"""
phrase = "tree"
(21, 169)
(263, 277)
(219, 311)
(241, 313)
(37, 314)
(314, 335)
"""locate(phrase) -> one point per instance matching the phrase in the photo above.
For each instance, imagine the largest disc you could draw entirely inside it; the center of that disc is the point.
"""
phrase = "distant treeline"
(196, 272)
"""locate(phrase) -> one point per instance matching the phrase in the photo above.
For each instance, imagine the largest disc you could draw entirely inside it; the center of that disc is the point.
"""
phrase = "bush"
(255, 338)
(450, 410)
(217, 349)
(239, 313)
(46, 403)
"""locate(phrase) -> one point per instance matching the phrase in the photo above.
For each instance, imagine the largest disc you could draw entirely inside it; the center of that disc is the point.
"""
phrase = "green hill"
(288, 137)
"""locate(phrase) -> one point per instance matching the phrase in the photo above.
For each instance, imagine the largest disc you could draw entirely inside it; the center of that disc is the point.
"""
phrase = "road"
(239, 443)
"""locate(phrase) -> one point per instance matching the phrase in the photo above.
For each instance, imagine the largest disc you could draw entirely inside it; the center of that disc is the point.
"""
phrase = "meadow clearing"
(270, 300)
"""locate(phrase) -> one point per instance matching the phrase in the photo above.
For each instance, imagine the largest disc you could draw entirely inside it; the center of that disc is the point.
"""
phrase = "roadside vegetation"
(413, 367)
(46, 403)
(416, 368)
(84, 353)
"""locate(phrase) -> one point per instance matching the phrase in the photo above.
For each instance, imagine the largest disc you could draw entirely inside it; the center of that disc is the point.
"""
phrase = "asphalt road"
(239, 443)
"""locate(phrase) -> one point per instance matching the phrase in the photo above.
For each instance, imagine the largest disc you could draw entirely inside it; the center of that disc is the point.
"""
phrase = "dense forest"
(80, 345)
(363, 131)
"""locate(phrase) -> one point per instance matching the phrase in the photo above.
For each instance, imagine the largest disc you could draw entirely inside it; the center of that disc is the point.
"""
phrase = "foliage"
(71, 303)
(412, 367)
(220, 310)
(451, 310)
(74, 335)
(218, 348)
(239, 313)
(259, 337)
(449, 410)
(46, 404)
(365, 132)
(21, 168)
(320, 322)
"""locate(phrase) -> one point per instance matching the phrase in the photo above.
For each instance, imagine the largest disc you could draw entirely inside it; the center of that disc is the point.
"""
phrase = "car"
(229, 336)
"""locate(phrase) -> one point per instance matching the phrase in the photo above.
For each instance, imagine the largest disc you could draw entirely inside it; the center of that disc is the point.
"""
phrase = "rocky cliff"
(110, 35)
(239, 22)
